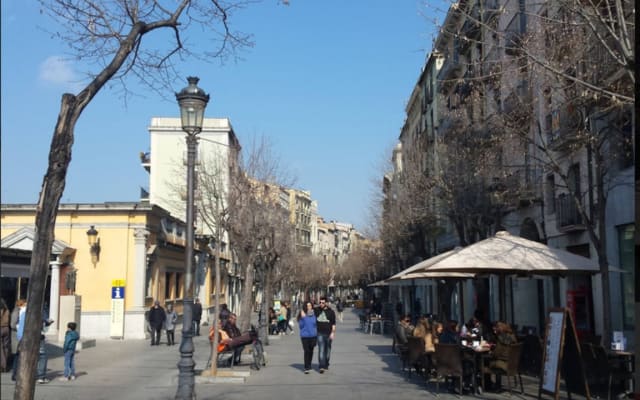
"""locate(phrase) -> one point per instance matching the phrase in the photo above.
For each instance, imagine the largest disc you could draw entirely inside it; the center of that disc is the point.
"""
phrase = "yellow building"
(138, 244)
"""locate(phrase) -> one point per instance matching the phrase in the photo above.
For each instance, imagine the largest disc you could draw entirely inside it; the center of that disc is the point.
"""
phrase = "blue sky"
(327, 82)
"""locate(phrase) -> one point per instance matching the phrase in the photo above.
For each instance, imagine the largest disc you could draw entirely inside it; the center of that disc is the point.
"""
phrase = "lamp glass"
(192, 101)
(191, 114)
(92, 235)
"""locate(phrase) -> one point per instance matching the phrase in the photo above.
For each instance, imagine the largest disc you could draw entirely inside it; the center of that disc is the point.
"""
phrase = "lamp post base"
(186, 365)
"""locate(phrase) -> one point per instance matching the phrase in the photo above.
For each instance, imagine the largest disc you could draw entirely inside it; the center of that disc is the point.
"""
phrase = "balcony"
(514, 33)
(519, 100)
(490, 10)
(568, 217)
(451, 70)
(144, 194)
(563, 127)
(448, 124)
(145, 160)
(471, 26)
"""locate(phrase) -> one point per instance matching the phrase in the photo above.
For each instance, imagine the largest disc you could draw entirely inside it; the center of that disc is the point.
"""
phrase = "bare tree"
(110, 36)
(254, 215)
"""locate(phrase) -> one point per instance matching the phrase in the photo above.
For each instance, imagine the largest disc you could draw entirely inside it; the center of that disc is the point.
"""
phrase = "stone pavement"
(362, 367)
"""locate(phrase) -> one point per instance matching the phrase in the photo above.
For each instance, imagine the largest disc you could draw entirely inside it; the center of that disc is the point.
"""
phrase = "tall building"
(539, 146)
(217, 156)
(300, 208)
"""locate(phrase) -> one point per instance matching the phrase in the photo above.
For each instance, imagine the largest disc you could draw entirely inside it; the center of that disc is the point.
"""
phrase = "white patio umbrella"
(506, 253)
(503, 254)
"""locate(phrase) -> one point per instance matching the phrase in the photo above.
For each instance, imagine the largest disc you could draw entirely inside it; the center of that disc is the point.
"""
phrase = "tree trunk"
(46, 213)
(246, 304)
(266, 296)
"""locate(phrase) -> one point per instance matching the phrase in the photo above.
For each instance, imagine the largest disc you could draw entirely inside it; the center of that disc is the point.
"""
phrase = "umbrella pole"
(501, 296)
(462, 319)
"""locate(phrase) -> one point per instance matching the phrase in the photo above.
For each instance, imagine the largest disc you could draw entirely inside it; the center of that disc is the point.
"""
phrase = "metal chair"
(448, 361)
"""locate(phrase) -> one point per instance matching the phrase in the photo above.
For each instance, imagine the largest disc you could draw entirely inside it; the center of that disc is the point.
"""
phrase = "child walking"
(69, 349)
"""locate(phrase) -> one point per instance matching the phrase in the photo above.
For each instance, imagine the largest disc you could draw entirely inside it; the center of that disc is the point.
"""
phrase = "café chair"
(510, 369)
(531, 356)
(417, 357)
(448, 360)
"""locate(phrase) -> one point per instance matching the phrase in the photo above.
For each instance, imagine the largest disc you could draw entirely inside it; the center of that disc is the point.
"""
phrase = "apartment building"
(480, 83)
(300, 209)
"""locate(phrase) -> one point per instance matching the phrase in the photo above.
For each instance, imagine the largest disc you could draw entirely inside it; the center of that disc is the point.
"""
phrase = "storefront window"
(627, 278)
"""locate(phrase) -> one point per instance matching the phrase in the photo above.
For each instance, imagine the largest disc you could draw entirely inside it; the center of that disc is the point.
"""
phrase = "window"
(178, 291)
(167, 285)
(551, 194)
(626, 234)
(573, 176)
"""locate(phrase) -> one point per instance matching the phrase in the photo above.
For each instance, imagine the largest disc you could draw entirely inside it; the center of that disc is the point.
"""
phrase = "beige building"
(138, 244)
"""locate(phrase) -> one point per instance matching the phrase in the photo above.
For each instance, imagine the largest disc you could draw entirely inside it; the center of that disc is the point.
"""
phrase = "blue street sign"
(117, 292)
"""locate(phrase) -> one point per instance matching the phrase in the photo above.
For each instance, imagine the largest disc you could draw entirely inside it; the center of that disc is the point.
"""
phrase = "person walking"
(5, 336)
(308, 333)
(69, 348)
(326, 323)
(170, 325)
(157, 316)
(43, 357)
(339, 308)
(20, 312)
(197, 316)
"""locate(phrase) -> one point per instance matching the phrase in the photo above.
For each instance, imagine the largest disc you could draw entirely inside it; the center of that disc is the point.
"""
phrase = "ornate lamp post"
(192, 101)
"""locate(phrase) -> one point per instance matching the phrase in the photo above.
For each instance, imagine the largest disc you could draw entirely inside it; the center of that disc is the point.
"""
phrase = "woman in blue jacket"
(308, 333)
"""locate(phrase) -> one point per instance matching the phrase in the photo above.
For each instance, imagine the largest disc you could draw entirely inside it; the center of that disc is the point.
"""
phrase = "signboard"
(562, 355)
(554, 337)
(117, 308)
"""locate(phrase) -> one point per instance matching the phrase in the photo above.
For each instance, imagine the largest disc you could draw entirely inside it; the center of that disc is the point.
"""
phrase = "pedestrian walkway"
(362, 367)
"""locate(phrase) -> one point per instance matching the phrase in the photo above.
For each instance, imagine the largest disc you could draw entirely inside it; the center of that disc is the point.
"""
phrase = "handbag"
(291, 323)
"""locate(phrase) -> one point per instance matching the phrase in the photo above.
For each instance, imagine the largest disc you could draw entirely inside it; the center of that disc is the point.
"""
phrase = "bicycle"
(257, 350)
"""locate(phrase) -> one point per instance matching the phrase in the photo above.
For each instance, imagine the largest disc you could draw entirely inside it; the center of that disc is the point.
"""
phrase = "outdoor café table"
(626, 359)
(373, 321)
(478, 353)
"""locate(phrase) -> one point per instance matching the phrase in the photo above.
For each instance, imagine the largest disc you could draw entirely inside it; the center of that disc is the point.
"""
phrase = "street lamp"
(192, 101)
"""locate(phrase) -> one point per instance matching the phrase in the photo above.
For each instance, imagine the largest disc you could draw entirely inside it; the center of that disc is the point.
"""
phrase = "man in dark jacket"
(326, 324)
(197, 315)
(237, 339)
(157, 316)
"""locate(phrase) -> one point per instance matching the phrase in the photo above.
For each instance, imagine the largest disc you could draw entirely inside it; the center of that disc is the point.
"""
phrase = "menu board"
(562, 355)
(554, 338)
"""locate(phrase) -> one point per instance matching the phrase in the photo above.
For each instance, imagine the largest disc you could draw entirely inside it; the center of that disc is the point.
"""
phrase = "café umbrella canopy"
(422, 265)
(508, 254)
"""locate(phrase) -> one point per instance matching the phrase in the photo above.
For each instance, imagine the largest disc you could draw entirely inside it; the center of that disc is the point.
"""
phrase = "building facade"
(140, 246)
(562, 170)
(216, 159)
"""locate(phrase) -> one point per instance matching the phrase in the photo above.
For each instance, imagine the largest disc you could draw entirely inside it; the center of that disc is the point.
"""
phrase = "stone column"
(138, 285)
(54, 297)
(134, 322)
